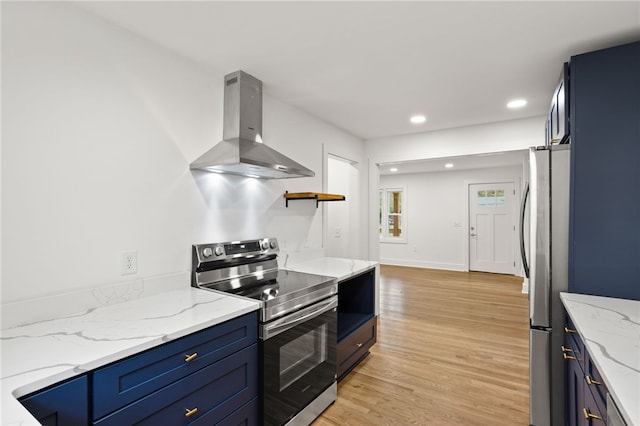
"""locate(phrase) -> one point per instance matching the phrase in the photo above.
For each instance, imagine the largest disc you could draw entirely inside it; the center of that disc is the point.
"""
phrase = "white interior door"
(492, 227)
(342, 216)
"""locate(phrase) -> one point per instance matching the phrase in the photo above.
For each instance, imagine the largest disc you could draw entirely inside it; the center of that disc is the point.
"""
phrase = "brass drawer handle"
(590, 381)
(359, 345)
(566, 349)
(191, 412)
(190, 357)
(565, 356)
(588, 415)
(568, 330)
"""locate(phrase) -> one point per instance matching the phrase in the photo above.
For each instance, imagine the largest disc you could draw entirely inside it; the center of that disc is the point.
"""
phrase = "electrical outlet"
(129, 262)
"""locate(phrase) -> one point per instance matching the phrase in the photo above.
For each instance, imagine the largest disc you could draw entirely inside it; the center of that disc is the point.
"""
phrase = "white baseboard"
(426, 265)
(525, 286)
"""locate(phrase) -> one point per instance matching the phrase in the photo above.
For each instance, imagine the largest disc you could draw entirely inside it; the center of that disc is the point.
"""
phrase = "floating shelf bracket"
(312, 196)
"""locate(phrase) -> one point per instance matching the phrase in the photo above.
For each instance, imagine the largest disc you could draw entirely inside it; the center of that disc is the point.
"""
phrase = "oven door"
(299, 360)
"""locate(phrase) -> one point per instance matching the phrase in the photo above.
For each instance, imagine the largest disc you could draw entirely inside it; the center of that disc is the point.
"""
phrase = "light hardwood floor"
(452, 350)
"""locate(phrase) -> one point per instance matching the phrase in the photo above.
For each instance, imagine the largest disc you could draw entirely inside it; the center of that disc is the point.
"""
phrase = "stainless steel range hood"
(241, 151)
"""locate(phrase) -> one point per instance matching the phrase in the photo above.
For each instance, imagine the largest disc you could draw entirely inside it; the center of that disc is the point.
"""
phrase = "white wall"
(434, 202)
(98, 129)
(486, 138)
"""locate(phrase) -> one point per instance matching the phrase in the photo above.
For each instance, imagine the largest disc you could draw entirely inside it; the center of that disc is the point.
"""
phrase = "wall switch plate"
(129, 262)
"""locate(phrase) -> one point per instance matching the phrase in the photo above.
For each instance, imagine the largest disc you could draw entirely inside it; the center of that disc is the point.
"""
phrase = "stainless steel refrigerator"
(546, 265)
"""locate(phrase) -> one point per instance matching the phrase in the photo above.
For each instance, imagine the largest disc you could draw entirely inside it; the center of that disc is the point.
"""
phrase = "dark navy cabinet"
(199, 379)
(65, 404)
(357, 322)
(206, 378)
(586, 392)
(604, 250)
(557, 129)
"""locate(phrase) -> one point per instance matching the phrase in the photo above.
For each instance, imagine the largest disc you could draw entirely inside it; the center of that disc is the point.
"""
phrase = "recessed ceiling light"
(448, 165)
(393, 169)
(417, 119)
(517, 103)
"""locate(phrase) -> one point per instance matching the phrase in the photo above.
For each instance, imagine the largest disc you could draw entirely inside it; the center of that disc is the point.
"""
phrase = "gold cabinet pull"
(565, 356)
(191, 412)
(568, 330)
(590, 381)
(359, 345)
(190, 357)
(588, 415)
(564, 349)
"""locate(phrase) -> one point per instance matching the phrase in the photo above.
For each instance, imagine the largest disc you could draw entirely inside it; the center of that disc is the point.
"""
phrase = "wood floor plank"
(452, 349)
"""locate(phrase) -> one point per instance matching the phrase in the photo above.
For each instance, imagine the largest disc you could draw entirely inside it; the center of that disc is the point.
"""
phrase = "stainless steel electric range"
(298, 320)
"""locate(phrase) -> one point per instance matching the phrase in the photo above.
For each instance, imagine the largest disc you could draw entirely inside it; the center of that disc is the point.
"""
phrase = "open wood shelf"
(312, 196)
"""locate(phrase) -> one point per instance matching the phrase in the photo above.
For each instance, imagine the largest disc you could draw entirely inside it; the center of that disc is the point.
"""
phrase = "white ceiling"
(366, 67)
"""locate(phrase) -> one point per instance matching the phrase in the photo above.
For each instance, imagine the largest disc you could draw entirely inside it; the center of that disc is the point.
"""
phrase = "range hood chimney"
(241, 151)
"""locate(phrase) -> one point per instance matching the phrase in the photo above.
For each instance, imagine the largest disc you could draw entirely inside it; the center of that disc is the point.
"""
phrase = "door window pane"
(491, 198)
(482, 198)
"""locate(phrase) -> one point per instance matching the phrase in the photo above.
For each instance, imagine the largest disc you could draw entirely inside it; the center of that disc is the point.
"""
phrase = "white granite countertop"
(332, 267)
(42, 353)
(610, 329)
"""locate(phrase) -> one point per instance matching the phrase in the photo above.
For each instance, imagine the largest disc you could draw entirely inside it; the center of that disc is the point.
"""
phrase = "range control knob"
(264, 245)
(273, 244)
(207, 252)
(219, 251)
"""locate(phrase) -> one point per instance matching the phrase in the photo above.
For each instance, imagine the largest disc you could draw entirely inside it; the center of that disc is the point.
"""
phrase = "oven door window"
(301, 355)
(299, 364)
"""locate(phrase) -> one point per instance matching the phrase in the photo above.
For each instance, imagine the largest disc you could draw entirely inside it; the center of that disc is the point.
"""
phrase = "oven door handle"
(283, 324)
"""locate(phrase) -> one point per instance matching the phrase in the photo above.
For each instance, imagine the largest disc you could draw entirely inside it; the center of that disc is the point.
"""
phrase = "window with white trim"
(392, 224)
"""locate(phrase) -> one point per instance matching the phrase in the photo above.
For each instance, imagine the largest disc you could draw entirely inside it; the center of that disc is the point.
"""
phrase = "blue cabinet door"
(62, 405)
(203, 398)
(604, 249)
(574, 380)
(126, 381)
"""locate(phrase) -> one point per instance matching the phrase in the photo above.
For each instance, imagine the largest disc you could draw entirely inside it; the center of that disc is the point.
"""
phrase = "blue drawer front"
(126, 381)
(63, 405)
(247, 415)
(217, 391)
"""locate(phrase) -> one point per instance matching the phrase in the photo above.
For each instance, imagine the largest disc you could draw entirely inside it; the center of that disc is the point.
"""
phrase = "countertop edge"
(340, 268)
(12, 388)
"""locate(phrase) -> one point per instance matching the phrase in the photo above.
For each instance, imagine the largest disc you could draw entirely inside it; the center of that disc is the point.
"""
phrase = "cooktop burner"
(250, 269)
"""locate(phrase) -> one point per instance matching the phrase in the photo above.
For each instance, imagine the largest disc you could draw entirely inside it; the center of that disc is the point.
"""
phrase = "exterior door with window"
(491, 227)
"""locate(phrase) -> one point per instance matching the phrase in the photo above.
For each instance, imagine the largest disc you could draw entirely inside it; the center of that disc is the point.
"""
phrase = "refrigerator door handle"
(523, 253)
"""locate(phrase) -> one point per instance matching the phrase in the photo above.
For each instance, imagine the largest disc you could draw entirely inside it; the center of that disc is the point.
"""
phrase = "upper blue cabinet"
(604, 249)
(557, 129)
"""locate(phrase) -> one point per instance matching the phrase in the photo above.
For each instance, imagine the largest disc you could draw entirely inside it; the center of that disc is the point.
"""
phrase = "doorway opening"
(342, 217)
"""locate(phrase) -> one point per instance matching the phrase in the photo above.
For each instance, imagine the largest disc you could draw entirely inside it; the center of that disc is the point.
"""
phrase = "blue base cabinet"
(206, 378)
(66, 404)
(357, 322)
(586, 393)
(200, 379)
(204, 398)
